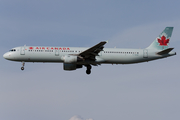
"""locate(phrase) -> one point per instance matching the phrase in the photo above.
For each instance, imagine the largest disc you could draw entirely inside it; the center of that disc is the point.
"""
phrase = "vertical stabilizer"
(162, 41)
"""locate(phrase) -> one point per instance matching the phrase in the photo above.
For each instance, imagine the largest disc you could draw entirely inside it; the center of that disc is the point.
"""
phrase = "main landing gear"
(88, 71)
(23, 63)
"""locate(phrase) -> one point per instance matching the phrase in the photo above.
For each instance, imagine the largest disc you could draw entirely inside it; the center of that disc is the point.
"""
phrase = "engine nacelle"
(71, 66)
(71, 59)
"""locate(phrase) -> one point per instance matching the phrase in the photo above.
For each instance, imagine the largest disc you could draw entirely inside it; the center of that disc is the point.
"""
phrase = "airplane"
(76, 57)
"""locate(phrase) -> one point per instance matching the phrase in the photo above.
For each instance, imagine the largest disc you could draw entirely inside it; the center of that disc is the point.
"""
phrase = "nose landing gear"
(88, 71)
(23, 63)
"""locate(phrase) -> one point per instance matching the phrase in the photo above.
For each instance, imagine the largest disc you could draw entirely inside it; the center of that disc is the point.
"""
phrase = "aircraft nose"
(6, 55)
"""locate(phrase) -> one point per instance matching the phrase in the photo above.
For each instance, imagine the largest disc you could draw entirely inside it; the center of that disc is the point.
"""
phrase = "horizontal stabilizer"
(166, 51)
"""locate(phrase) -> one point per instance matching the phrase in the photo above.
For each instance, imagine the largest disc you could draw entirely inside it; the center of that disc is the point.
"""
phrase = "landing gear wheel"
(88, 71)
(23, 64)
(22, 68)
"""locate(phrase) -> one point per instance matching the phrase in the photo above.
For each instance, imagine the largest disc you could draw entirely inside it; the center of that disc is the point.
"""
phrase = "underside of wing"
(92, 52)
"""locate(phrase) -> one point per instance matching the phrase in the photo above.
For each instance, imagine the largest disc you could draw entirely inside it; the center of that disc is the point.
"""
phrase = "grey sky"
(45, 91)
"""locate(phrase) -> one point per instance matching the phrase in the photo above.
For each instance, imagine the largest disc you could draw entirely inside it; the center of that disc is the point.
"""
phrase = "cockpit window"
(13, 50)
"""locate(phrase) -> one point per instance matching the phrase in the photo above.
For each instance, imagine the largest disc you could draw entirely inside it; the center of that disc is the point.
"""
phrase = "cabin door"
(145, 53)
(56, 52)
(22, 50)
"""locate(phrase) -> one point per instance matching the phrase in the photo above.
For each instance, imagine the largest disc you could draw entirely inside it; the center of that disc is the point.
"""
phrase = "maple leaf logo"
(163, 41)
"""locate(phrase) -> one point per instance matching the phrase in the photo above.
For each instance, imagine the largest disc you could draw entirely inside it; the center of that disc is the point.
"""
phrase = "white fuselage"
(108, 55)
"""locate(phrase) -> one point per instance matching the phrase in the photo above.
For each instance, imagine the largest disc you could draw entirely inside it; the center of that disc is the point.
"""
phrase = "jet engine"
(70, 62)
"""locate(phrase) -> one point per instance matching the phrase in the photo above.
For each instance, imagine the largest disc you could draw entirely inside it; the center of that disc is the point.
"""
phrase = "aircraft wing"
(93, 51)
